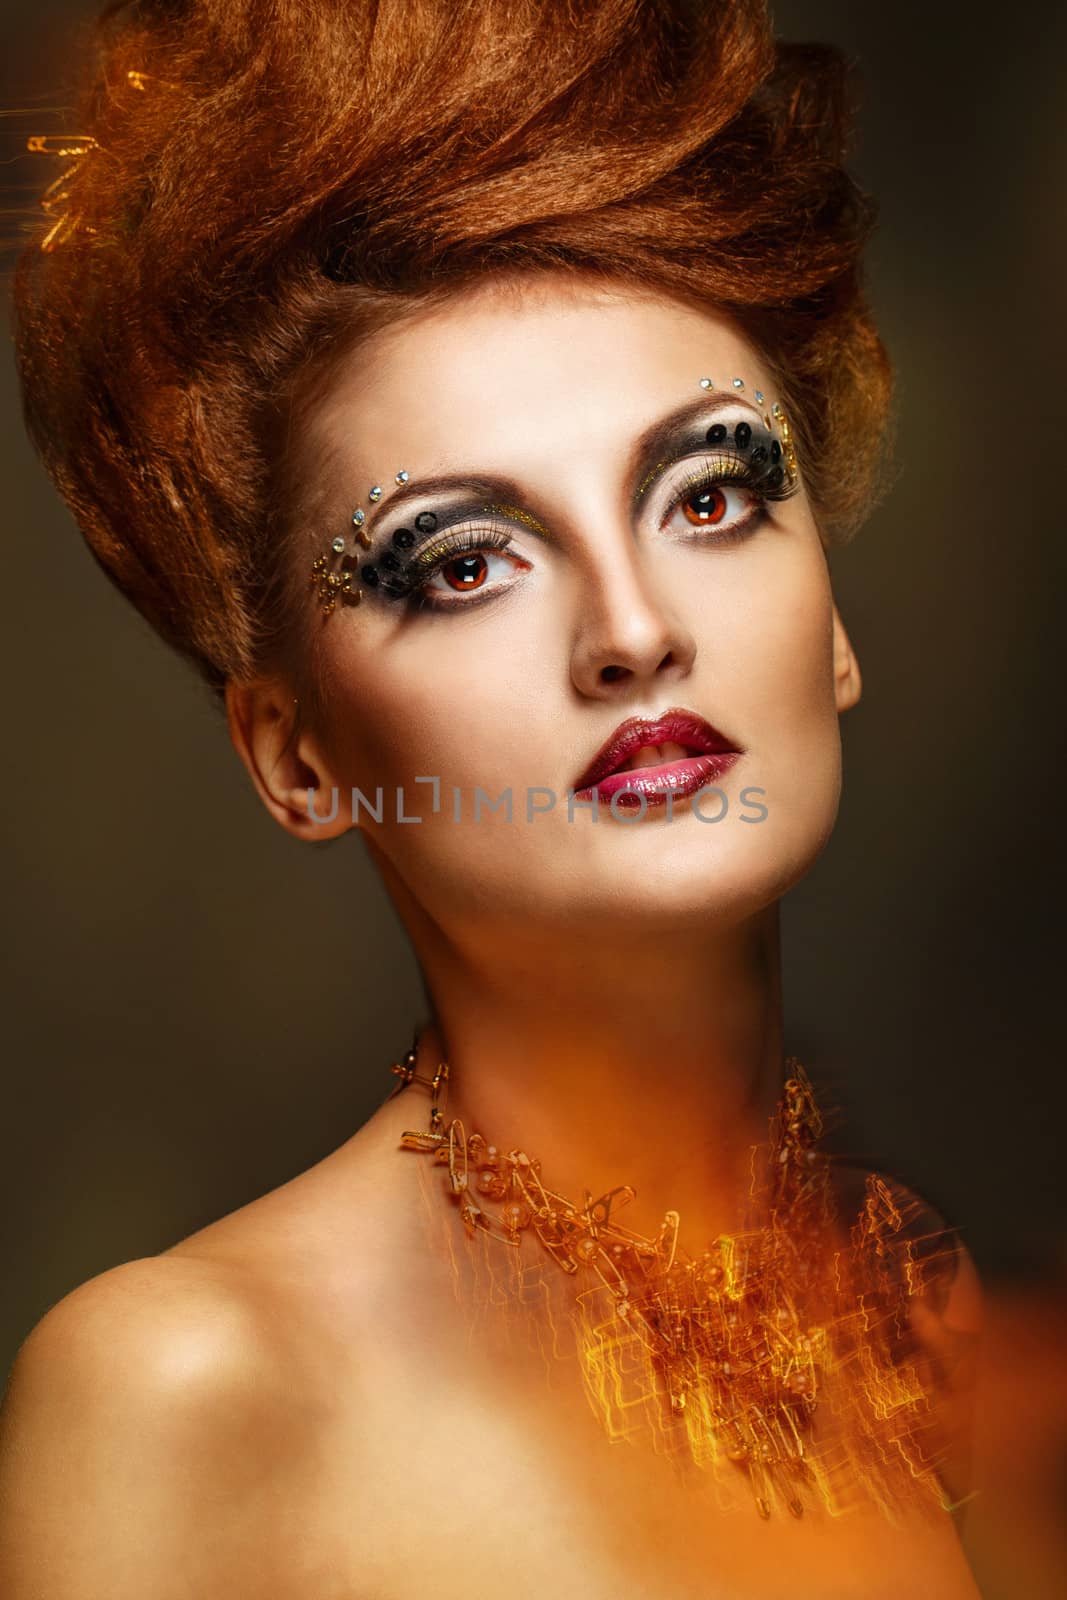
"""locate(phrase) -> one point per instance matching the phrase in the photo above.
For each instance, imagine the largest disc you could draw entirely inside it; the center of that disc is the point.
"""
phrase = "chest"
(439, 1478)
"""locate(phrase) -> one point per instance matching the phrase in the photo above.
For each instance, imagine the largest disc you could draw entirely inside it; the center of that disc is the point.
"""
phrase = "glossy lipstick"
(708, 755)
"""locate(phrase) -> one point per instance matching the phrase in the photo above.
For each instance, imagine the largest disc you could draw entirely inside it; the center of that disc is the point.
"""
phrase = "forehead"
(503, 371)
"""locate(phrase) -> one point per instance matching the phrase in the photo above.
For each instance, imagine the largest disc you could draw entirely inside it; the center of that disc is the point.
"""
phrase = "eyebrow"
(662, 437)
(647, 453)
(488, 487)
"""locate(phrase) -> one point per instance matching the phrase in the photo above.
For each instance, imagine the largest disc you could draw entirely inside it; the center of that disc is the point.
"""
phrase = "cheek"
(785, 642)
(443, 705)
(781, 643)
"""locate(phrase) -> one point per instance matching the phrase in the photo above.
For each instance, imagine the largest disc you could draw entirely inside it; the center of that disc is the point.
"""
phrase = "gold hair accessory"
(68, 147)
(74, 148)
(746, 1340)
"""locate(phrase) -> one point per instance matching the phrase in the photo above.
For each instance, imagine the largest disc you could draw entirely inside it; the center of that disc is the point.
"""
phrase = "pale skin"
(273, 1405)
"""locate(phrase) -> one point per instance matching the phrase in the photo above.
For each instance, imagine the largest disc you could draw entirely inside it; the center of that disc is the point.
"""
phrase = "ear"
(848, 684)
(283, 760)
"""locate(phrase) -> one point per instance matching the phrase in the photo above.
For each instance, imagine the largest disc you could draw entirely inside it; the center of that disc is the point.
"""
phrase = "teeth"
(653, 755)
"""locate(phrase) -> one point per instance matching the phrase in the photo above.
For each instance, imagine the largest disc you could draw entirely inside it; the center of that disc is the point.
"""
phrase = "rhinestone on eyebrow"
(358, 519)
(785, 452)
(718, 433)
(332, 586)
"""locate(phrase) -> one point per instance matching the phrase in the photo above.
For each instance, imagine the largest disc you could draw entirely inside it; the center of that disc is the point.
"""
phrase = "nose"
(628, 632)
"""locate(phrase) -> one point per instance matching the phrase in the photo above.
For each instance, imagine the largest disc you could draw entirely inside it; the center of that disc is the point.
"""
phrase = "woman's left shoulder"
(944, 1309)
(944, 1280)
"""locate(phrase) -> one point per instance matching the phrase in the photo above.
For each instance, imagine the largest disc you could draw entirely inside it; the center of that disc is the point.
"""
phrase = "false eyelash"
(417, 571)
(731, 469)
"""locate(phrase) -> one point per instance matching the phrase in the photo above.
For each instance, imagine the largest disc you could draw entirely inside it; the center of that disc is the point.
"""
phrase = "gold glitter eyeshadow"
(516, 514)
(728, 466)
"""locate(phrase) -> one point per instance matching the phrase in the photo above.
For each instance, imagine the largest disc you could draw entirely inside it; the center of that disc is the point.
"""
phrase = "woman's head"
(288, 202)
(553, 435)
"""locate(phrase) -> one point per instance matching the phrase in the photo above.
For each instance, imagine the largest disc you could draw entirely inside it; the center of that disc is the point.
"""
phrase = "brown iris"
(706, 505)
(466, 572)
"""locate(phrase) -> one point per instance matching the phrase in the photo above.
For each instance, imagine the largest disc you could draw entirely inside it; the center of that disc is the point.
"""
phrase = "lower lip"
(654, 784)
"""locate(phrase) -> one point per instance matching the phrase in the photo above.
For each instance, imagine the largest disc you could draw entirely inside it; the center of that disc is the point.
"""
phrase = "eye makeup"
(724, 484)
(457, 538)
(751, 454)
(747, 446)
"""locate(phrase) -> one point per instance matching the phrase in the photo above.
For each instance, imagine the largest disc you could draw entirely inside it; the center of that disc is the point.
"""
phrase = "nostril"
(609, 674)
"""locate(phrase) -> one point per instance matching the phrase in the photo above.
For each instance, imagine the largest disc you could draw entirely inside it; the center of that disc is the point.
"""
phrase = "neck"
(654, 1065)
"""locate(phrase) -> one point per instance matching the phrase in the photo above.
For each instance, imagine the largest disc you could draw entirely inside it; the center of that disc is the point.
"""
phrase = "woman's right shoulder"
(139, 1404)
(162, 1322)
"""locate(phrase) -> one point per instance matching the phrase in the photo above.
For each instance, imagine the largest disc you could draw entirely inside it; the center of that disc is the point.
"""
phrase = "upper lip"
(676, 726)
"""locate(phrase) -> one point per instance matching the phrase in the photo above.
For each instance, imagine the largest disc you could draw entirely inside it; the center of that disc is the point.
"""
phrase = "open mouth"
(676, 753)
(654, 755)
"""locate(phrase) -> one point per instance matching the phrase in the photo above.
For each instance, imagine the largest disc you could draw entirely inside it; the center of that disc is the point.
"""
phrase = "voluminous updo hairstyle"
(287, 174)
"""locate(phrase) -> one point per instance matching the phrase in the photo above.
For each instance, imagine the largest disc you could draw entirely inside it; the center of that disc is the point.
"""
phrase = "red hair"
(292, 171)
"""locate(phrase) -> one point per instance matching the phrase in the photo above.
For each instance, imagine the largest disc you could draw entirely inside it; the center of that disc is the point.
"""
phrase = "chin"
(691, 887)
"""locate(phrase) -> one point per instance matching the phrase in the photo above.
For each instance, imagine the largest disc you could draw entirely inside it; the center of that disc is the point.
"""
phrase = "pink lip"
(713, 755)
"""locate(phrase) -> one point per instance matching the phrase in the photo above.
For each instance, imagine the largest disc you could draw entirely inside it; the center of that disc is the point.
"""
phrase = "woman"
(480, 434)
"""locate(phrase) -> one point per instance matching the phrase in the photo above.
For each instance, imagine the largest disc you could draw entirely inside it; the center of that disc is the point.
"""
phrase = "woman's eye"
(726, 508)
(469, 571)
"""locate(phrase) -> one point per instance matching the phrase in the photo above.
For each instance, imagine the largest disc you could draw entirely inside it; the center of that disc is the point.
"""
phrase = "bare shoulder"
(173, 1425)
(186, 1423)
(140, 1403)
(945, 1314)
(948, 1284)
(164, 1324)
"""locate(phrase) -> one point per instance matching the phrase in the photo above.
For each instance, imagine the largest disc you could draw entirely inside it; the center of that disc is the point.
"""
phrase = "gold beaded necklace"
(743, 1341)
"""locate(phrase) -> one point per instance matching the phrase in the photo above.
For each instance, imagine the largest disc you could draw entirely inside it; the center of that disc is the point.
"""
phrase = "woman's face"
(511, 668)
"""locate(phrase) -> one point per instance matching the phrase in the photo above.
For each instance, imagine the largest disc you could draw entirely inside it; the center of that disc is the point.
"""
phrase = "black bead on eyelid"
(716, 433)
(742, 435)
(775, 476)
(369, 574)
(403, 538)
(426, 521)
(776, 450)
(388, 560)
(760, 453)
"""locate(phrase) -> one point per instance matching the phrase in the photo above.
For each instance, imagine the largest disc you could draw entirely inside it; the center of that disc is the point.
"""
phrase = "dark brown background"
(196, 1007)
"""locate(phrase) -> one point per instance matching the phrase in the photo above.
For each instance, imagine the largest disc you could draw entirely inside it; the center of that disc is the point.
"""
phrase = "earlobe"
(848, 684)
(281, 760)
